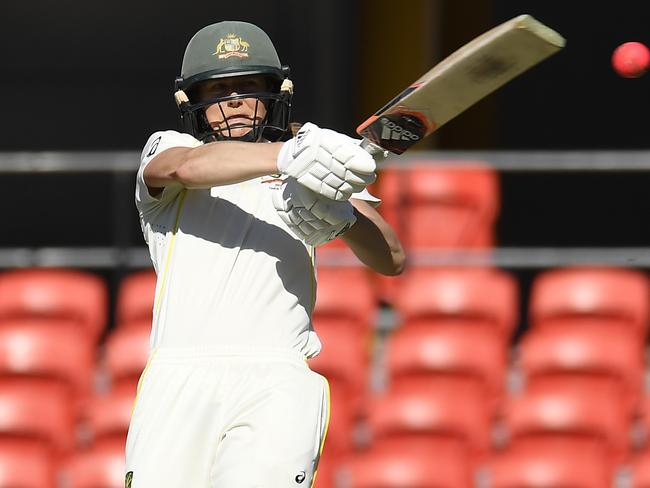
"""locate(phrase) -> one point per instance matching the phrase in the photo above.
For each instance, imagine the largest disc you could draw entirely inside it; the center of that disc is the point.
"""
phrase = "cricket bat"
(458, 82)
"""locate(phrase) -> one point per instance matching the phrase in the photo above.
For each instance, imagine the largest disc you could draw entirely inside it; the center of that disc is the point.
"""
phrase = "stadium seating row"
(614, 297)
(446, 366)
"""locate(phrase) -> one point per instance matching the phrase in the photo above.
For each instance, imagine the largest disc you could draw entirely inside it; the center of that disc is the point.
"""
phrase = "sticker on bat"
(395, 132)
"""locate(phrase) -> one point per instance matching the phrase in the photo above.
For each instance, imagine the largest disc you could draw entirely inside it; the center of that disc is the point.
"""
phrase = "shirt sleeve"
(368, 197)
(157, 143)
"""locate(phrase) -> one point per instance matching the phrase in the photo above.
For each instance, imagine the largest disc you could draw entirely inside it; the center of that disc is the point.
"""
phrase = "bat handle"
(374, 150)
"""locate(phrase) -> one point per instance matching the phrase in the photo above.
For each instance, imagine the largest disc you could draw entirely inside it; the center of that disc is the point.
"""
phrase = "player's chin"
(235, 131)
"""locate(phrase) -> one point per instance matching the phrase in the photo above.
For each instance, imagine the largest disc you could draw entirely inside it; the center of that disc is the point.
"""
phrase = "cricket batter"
(231, 218)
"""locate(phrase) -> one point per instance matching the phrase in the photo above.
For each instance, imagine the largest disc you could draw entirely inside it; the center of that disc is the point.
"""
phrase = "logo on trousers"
(301, 477)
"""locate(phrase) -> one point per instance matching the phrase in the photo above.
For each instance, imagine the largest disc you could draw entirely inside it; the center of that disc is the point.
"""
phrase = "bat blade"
(458, 82)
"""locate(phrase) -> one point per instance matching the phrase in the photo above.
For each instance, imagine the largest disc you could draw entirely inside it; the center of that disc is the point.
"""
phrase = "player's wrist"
(283, 157)
(353, 220)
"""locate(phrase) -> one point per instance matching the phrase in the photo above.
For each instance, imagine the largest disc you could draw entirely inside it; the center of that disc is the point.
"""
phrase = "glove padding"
(327, 162)
(312, 217)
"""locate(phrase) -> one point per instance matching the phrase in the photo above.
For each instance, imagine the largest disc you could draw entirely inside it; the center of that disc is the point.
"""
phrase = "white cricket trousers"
(227, 418)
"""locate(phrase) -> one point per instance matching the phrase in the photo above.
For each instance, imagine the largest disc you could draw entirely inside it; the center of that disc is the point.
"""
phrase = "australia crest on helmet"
(232, 45)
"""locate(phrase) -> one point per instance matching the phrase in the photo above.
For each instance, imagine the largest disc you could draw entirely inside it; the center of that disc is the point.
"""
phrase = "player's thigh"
(173, 433)
(278, 441)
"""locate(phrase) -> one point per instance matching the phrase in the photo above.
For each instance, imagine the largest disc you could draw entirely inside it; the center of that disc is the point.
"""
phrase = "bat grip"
(374, 150)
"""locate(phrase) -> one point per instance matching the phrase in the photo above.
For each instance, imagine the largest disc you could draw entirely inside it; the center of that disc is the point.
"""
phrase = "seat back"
(127, 352)
(25, 465)
(55, 293)
(571, 412)
(345, 295)
(452, 415)
(602, 355)
(47, 348)
(135, 297)
(109, 415)
(439, 205)
(486, 296)
(98, 467)
(611, 296)
(397, 466)
(35, 410)
(477, 356)
(540, 465)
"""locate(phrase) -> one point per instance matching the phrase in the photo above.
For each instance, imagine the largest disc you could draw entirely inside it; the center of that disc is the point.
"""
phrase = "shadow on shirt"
(222, 222)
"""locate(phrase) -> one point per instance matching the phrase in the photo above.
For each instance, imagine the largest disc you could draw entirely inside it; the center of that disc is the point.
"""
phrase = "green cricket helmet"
(225, 50)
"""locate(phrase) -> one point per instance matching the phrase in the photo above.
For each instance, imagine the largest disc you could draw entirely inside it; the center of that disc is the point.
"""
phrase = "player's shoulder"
(166, 139)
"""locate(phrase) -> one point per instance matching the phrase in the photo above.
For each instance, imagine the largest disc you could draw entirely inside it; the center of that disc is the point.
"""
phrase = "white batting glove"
(314, 218)
(326, 162)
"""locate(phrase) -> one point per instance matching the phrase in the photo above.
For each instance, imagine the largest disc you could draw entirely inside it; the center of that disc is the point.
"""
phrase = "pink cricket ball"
(631, 59)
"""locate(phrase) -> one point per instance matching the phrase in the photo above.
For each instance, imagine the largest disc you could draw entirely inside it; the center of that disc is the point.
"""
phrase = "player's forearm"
(374, 242)
(227, 162)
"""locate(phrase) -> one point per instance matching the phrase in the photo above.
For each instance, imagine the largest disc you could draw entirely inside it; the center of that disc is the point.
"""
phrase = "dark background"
(99, 75)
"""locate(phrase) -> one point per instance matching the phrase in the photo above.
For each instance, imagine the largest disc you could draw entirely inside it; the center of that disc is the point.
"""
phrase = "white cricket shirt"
(230, 272)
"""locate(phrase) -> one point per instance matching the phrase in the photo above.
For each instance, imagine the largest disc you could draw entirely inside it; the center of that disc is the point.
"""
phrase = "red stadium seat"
(450, 206)
(549, 465)
(25, 465)
(135, 298)
(441, 205)
(102, 467)
(451, 416)
(343, 357)
(51, 293)
(345, 295)
(127, 351)
(583, 354)
(471, 356)
(48, 348)
(35, 410)
(481, 295)
(344, 362)
(580, 415)
(407, 465)
(109, 416)
(610, 296)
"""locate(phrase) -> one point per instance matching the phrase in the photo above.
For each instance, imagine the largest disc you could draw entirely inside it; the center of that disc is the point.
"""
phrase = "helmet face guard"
(271, 127)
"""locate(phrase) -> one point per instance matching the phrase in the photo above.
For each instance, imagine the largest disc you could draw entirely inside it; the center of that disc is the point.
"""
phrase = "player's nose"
(234, 103)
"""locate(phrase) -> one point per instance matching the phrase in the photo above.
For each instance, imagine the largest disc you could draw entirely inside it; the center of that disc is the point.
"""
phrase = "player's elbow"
(188, 173)
(391, 265)
(398, 262)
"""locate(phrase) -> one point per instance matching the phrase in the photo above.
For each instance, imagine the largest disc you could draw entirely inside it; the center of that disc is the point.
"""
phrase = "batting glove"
(327, 162)
(314, 218)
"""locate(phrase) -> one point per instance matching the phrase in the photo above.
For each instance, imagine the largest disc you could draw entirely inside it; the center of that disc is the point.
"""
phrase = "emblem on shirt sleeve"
(154, 146)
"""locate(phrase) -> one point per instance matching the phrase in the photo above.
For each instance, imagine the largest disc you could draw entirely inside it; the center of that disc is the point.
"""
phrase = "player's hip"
(232, 353)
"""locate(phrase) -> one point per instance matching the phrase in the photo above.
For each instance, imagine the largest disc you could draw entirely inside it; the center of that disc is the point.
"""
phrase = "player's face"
(238, 115)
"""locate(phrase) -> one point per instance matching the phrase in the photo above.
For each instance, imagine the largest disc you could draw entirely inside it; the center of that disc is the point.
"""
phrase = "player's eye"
(220, 90)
